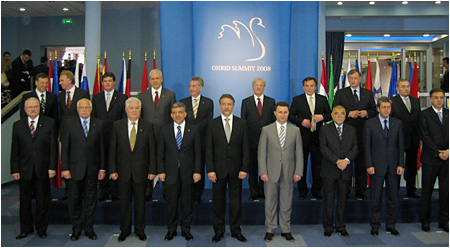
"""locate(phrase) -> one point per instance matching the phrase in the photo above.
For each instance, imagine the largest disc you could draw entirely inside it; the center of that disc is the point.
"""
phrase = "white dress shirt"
(130, 126)
(230, 121)
(154, 94)
(175, 128)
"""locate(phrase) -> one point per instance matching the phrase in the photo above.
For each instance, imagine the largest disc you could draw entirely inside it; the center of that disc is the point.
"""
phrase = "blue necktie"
(440, 116)
(179, 138)
(85, 128)
(386, 129)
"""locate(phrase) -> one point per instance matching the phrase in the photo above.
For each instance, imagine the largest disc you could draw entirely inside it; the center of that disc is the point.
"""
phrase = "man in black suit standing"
(309, 111)
(227, 160)
(178, 161)
(109, 106)
(359, 106)
(132, 160)
(42, 67)
(200, 111)
(384, 155)
(34, 158)
(82, 164)
(48, 100)
(258, 111)
(407, 109)
(444, 81)
(434, 136)
(339, 148)
(22, 70)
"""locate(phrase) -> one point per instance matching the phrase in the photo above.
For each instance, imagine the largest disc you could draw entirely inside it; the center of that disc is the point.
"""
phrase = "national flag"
(369, 77)
(105, 67)
(127, 89)
(55, 87)
(144, 84)
(50, 74)
(349, 67)
(357, 68)
(77, 75)
(393, 84)
(84, 80)
(97, 79)
(377, 86)
(411, 72)
(123, 77)
(331, 85)
(415, 82)
(154, 60)
(57, 179)
(323, 87)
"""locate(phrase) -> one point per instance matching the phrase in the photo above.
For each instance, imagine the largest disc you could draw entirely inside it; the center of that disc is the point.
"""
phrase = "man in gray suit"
(280, 165)
(156, 108)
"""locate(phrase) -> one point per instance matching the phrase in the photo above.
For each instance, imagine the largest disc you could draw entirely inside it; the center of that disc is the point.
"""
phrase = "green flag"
(331, 86)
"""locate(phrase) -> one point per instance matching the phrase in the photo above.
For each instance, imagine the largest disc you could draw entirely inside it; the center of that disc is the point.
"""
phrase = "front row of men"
(133, 159)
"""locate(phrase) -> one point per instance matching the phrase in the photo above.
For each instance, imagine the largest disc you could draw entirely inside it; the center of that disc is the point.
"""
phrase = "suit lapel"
(305, 101)
(352, 98)
(254, 107)
(220, 124)
(186, 135)
(380, 127)
(103, 101)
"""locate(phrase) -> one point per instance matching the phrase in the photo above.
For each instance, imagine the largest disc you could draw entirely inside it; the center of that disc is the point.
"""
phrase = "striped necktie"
(282, 136)
(179, 137)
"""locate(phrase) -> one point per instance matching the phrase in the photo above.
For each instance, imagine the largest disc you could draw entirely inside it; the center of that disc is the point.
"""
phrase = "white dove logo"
(250, 31)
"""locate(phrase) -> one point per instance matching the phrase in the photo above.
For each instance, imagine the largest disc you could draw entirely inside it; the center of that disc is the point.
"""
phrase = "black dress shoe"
(343, 233)
(239, 237)
(198, 200)
(64, 197)
(444, 227)
(302, 196)
(413, 195)
(91, 235)
(23, 235)
(268, 236)
(217, 238)
(148, 197)
(426, 227)
(122, 237)
(251, 198)
(141, 236)
(361, 196)
(327, 233)
(318, 195)
(288, 236)
(261, 196)
(42, 235)
(169, 236)
(393, 231)
(374, 232)
(187, 236)
(75, 235)
(103, 198)
(114, 198)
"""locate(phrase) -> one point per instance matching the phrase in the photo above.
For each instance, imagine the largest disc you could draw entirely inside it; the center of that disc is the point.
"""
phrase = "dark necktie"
(32, 130)
(386, 129)
(156, 99)
(355, 94)
(85, 128)
(259, 107)
(339, 129)
(43, 102)
(179, 137)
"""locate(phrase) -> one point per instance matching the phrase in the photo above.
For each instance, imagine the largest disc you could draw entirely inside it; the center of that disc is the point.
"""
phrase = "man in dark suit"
(132, 160)
(444, 81)
(22, 70)
(178, 161)
(434, 136)
(82, 164)
(359, 106)
(227, 159)
(156, 108)
(48, 100)
(407, 109)
(109, 106)
(34, 158)
(200, 111)
(258, 111)
(339, 148)
(383, 141)
(42, 67)
(309, 111)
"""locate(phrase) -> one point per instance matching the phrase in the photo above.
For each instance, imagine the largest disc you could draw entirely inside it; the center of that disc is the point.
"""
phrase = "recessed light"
(437, 2)
(372, 3)
(339, 3)
(348, 35)
(65, 9)
(387, 35)
(426, 35)
(22, 9)
(405, 2)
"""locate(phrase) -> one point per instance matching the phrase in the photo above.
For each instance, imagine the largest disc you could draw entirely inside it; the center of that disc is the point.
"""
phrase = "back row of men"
(229, 146)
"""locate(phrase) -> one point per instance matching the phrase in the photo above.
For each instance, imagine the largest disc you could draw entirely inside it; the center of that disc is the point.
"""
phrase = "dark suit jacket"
(299, 111)
(116, 111)
(227, 159)
(345, 98)
(434, 135)
(204, 114)
(255, 123)
(333, 149)
(51, 105)
(18, 66)
(65, 112)
(41, 68)
(34, 155)
(410, 120)
(384, 153)
(188, 156)
(137, 164)
(82, 155)
(159, 116)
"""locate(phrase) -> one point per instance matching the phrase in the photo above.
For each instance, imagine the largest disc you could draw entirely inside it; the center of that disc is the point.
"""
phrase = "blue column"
(92, 35)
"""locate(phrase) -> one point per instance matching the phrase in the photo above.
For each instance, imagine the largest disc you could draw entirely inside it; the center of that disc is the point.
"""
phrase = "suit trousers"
(219, 204)
(284, 190)
(429, 174)
(329, 189)
(200, 185)
(411, 169)
(77, 191)
(316, 159)
(42, 195)
(360, 171)
(107, 187)
(376, 193)
(255, 184)
(126, 192)
(184, 193)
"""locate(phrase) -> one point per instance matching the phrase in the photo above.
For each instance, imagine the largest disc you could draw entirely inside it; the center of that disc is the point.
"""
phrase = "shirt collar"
(279, 125)
(159, 90)
(88, 120)
(229, 117)
(261, 98)
(382, 119)
(106, 93)
(183, 124)
(198, 98)
(435, 110)
(342, 125)
(40, 93)
(129, 122)
(72, 89)
(35, 120)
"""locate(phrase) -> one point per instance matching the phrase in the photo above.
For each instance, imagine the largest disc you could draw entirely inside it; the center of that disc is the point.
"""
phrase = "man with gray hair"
(131, 161)
(156, 108)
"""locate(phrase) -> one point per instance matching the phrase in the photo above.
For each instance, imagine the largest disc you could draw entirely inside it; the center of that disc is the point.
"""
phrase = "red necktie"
(156, 99)
(69, 101)
(259, 107)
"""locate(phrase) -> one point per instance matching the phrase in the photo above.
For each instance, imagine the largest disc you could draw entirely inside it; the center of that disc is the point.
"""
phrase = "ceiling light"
(22, 9)
(348, 35)
(387, 35)
(437, 2)
(372, 3)
(65, 9)
(405, 2)
(426, 35)
(339, 3)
